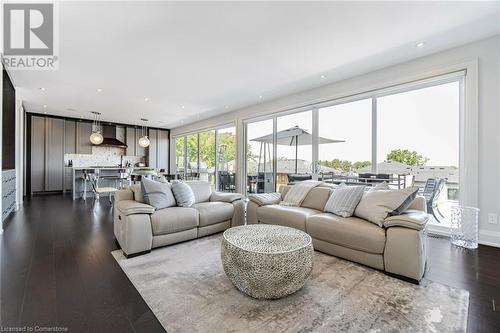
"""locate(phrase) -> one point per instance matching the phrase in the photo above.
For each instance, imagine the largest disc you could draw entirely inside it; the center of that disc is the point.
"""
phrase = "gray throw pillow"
(376, 206)
(159, 195)
(344, 199)
(183, 193)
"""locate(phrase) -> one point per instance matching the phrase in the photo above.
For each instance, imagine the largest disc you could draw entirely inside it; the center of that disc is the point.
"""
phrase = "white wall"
(485, 52)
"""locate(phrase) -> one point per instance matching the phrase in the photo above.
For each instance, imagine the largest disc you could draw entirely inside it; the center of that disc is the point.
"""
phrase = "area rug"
(186, 288)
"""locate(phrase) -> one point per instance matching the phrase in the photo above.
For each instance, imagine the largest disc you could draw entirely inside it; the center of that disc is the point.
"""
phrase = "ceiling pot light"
(420, 44)
(45, 106)
(146, 99)
(144, 140)
(323, 76)
(96, 137)
(42, 89)
(99, 90)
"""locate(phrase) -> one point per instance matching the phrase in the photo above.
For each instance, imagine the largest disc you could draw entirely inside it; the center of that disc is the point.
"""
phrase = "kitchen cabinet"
(83, 131)
(47, 154)
(69, 137)
(153, 148)
(158, 149)
(139, 151)
(54, 152)
(37, 154)
(132, 140)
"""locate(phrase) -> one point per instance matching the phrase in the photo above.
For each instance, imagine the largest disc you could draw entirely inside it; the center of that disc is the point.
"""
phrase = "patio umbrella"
(294, 136)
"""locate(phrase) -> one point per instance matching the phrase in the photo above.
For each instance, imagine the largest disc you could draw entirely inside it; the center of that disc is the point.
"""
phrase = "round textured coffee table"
(267, 261)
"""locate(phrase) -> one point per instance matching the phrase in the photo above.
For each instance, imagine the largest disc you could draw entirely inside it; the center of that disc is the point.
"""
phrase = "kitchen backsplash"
(102, 156)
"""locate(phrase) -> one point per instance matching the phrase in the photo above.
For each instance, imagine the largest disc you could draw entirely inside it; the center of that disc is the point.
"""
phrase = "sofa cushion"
(225, 197)
(157, 194)
(202, 191)
(138, 195)
(317, 197)
(184, 195)
(344, 199)
(173, 219)
(130, 207)
(289, 216)
(351, 232)
(214, 212)
(376, 205)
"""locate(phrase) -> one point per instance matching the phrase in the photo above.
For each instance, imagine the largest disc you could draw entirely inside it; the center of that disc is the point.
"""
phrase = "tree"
(407, 157)
(361, 164)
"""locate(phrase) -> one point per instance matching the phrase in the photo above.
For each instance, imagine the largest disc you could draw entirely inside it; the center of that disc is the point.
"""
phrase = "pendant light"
(144, 140)
(96, 137)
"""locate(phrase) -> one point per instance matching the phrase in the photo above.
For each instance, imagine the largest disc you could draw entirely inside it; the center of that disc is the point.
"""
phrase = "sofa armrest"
(418, 204)
(225, 197)
(265, 199)
(121, 195)
(413, 219)
(129, 207)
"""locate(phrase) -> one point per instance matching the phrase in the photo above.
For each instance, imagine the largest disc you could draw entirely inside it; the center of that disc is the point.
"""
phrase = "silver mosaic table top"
(264, 238)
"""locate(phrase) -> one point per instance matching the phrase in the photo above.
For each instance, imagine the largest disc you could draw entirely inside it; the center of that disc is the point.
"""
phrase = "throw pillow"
(344, 199)
(380, 186)
(183, 194)
(159, 195)
(376, 206)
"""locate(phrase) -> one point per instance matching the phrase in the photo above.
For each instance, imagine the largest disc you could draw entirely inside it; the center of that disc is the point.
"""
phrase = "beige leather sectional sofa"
(138, 227)
(398, 248)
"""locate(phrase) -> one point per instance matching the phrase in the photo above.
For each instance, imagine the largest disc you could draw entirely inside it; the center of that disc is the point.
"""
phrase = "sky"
(425, 120)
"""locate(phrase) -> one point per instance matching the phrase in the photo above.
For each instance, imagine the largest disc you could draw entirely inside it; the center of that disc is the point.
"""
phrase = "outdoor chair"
(431, 192)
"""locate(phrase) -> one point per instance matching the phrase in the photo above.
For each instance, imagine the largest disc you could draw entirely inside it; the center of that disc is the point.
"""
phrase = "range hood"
(109, 132)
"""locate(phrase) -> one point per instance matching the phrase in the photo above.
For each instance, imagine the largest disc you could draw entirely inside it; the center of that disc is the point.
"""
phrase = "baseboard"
(486, 237)
(489, 238)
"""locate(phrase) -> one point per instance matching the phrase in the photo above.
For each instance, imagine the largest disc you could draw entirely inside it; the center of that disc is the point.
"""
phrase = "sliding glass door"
(260, 157)
(208, 156)
(418, 137)
(404, 136)
(345, 140)
(226, 159)
(294, 148)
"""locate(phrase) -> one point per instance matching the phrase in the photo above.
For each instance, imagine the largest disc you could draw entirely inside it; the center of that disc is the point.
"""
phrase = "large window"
(294, 148)
(180, 155)
(418, 135)
(208, 156)
(259, 157)
(345, 138)
(404, 136)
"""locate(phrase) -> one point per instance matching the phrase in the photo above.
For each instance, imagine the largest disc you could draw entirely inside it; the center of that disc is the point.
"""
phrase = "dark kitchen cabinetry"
(132, 140)
(47, 154)
(158, 149)
(83, 132)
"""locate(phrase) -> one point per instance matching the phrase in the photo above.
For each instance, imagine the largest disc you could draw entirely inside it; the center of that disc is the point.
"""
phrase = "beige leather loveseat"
(399, 247)
(138, 227)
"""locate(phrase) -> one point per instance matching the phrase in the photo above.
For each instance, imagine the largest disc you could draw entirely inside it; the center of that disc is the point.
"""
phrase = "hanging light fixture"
(96, 137)
(144, 140)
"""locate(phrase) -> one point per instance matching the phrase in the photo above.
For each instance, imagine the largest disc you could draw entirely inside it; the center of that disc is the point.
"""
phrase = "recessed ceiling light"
(42, 88)
(260, 97)
(45, 106)
(323, 76)
(45, 112)
(182, 106)
(99, 90)
(420, 44)
(146, 99)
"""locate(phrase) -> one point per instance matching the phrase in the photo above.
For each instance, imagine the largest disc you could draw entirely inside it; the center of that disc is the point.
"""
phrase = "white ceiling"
(196, 60)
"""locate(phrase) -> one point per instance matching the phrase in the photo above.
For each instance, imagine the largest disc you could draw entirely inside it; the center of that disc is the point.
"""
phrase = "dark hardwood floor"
(57, 270)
